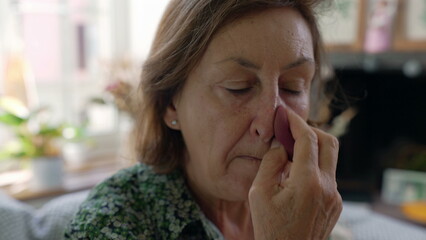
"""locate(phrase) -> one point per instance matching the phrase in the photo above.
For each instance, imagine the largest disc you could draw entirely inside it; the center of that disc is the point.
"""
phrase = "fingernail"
(275, 143)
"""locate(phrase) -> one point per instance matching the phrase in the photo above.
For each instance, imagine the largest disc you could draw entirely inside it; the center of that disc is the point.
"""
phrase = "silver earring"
(174, 122)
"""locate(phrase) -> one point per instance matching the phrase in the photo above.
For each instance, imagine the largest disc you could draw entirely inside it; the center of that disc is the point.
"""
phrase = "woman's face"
(227, 106)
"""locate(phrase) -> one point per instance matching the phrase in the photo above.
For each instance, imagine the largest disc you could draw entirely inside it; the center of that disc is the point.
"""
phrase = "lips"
(250, 157)
(282, 131)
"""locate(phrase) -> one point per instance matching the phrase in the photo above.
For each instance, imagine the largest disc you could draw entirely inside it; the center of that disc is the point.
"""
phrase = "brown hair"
(182, 37)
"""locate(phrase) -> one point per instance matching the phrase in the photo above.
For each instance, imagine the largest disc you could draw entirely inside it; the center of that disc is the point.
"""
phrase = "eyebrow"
(248, 64)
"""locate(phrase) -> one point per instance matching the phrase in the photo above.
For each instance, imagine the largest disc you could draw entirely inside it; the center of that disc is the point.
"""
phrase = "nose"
(262, 125)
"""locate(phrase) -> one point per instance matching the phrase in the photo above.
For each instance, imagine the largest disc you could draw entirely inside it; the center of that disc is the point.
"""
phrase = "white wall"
(3, 6)
(144, 18)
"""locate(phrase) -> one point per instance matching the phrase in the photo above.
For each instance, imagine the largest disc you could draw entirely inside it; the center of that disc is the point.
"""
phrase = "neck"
(232, 218)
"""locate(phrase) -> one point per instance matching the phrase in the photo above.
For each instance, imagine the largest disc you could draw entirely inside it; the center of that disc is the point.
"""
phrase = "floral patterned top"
(137, 203)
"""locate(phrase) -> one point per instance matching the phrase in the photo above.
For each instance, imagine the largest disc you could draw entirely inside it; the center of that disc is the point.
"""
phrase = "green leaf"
(97, 100)
(11, 150)
(11, 120)
(47, 131)
(4, 155)
(28, 149)
(13, 106)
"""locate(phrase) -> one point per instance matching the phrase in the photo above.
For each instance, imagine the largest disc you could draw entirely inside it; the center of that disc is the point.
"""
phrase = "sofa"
(20, 221)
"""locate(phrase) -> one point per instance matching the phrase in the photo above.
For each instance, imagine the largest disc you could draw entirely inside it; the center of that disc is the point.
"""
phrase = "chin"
(239, 178)
(237, 189)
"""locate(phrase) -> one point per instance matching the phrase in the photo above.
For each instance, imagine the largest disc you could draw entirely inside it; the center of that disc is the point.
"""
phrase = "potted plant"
(76, 147)
(34, 142)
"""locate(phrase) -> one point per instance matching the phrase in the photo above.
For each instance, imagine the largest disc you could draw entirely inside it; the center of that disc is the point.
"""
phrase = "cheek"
(208, 125)
(300, 106)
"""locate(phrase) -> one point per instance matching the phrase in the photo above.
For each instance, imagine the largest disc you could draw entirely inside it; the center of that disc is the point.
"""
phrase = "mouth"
(252, 158)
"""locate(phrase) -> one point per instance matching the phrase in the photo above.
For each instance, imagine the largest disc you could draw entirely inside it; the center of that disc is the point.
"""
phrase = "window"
(60, 53)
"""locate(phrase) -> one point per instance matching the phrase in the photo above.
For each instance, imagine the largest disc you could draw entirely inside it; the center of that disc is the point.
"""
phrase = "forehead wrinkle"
(248, 64)
(294, 41)
(240, 61)
(302, 60)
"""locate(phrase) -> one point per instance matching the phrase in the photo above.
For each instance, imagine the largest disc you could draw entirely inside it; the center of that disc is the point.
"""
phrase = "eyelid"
(293, 83)
(292, 92)
(294, 86)
(238, 87)
(237, 84)
(239, 91)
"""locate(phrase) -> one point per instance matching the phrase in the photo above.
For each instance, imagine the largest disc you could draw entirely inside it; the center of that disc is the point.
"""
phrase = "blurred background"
(68, 67)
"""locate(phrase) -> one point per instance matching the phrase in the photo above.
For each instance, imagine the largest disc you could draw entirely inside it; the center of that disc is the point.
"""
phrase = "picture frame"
(410, 26)
(379, 25)
(343, 26)
(401, 186)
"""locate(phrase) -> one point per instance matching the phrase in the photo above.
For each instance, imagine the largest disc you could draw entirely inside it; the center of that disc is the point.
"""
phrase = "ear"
(171, 118)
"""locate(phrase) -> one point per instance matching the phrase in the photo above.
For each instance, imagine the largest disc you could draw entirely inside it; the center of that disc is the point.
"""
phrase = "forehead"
(267, 33)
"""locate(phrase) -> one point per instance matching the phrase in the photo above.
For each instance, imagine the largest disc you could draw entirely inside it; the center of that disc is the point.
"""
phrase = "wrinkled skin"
(302, 202)
(239, 174)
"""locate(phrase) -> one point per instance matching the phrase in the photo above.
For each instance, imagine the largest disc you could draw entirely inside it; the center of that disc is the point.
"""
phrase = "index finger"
(305, 159)
(328, 152)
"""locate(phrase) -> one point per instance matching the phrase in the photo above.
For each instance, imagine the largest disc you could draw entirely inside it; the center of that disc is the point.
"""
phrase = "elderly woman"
(223, 81)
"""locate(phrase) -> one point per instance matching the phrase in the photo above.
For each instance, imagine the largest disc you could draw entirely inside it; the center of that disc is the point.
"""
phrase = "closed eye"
(239, 91)
(292, 92)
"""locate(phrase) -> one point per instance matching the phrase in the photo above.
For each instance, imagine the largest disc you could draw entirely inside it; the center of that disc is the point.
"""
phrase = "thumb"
(271, 167)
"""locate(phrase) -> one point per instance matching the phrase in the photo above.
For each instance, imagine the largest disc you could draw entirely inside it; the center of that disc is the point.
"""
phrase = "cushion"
(23, 222)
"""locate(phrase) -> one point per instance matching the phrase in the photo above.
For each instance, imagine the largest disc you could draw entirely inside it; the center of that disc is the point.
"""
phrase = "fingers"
(271, 167)
(328, 152)
(314, 151)
(308, 197)
(305, 159)
(313, 148)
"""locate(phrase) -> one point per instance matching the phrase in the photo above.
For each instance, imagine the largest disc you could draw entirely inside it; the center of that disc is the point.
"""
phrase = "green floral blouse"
(137, 203)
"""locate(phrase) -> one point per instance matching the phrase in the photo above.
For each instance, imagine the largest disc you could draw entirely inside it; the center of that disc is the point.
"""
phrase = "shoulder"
(123, 206)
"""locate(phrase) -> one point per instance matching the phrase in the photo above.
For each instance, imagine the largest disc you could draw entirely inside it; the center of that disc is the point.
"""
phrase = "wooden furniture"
(75, 179)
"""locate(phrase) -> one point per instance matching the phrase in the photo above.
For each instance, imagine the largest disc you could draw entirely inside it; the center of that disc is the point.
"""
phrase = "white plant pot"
(47, 173)
(75, 154)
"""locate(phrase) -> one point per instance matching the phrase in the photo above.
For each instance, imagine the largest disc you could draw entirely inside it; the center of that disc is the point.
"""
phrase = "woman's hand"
(297, 200)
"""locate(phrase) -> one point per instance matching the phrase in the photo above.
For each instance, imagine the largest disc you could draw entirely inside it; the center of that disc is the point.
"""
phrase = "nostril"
(261, 133)
(262, 124)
